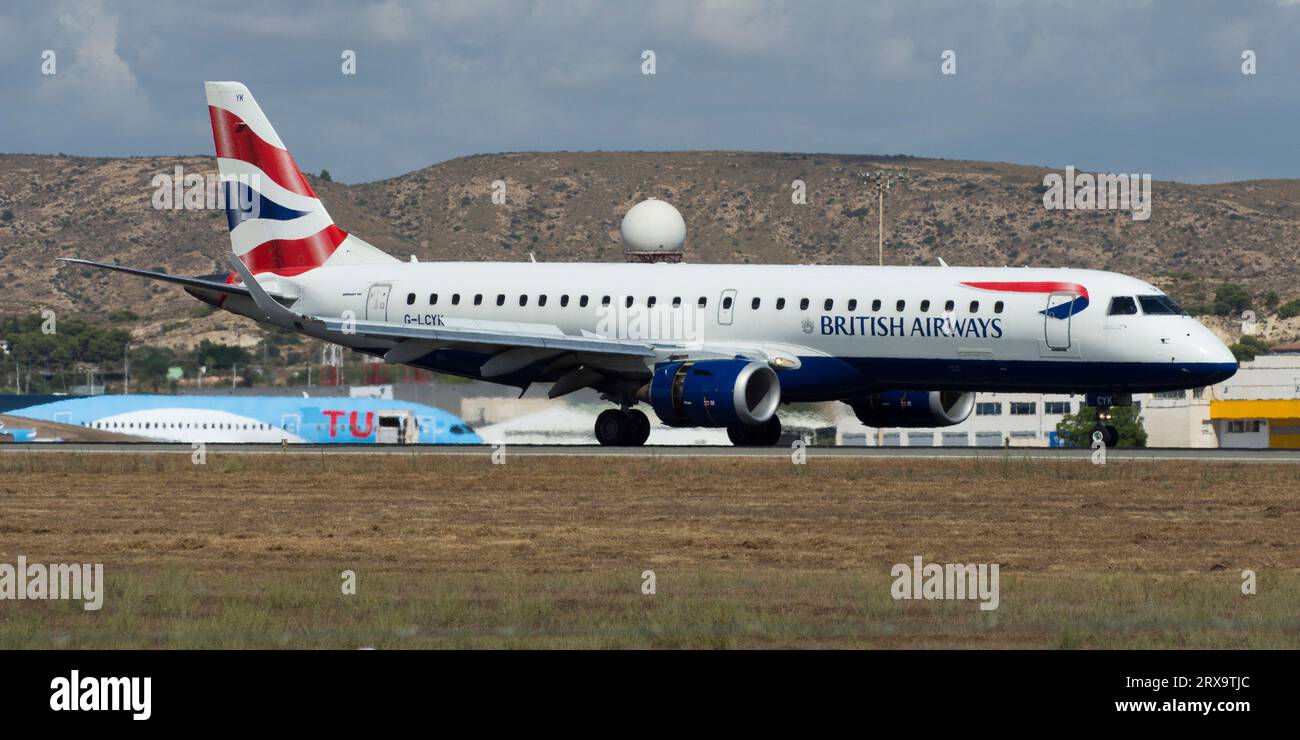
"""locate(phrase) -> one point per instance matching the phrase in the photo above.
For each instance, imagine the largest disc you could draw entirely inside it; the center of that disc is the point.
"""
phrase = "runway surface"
(914, 453)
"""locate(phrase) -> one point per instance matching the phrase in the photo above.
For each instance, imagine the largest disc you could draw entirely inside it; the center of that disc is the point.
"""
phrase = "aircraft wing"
(490, 333)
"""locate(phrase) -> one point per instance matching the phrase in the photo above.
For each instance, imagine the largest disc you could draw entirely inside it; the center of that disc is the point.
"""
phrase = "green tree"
(1077, 429)
(149, 366)
(1289, 310)
(1247, 347)
(1230, 298)
(325, 175)
(219, 356)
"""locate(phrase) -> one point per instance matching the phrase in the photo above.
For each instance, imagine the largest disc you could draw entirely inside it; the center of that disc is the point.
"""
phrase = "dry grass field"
(247, 551)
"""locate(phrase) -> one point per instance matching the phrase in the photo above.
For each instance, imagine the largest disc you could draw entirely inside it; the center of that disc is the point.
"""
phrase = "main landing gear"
(631, 428)
(761, 435)
(622, 428)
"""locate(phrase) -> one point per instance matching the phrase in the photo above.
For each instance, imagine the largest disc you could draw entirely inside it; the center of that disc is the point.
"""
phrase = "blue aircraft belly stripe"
(834, 378)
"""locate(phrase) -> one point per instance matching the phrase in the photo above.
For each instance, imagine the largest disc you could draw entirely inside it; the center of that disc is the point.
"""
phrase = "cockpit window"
(1122, 306)
(1160, 304)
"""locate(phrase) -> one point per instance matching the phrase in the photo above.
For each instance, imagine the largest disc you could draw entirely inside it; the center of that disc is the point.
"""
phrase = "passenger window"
(478, 299)
(1122, 306)
(604, 301)
(410, 299)
(541, 300)
(780, 304)
(853, 304)
(974, 306)
(455, 299)
(875, 305)
(582, 301)
(803, 304)
(900, 305)
(949, 306)
(703, 302)
(650, 302)
(754, 304)
(523, 300)
(564, 301)
(433, 299)
(829, 304)
(726, 303)
(925, 306)
(628, 302)
(677, 301)
(997, 307)
(501, 299)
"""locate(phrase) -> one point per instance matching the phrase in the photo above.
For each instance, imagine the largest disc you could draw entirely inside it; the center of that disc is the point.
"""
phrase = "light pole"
(883, 180)
(126, 369)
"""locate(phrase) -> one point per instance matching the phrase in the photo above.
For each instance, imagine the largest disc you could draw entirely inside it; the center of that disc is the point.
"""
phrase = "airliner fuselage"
(849, 330)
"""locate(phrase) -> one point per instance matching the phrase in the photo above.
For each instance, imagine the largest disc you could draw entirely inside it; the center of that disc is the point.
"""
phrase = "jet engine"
(714, 393)
(913, 408)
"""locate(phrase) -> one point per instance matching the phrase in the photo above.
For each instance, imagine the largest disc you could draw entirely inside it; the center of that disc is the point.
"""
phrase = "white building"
(1015, 419)
(1259, 407)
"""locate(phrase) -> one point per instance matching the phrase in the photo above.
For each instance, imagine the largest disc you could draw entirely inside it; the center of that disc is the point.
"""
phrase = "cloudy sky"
(1124, 86)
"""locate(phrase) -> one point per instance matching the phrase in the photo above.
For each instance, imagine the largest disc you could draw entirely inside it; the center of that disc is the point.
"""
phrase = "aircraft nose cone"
(1216, 361)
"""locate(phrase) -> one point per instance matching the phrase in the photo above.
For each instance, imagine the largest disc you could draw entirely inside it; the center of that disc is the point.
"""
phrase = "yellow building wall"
(1278, 413)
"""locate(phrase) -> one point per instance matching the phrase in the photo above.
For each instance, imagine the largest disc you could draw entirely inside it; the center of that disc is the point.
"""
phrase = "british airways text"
(900, 326)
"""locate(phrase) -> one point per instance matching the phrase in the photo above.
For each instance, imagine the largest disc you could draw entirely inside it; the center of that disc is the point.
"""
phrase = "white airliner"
(701, 345)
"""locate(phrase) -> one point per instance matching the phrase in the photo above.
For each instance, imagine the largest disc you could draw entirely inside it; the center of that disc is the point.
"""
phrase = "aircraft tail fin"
(277, 224)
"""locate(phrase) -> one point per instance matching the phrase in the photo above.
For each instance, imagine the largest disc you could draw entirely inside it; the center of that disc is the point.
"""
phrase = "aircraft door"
(377, 303)
(290, 423)
(726, 306)
(1057, 319)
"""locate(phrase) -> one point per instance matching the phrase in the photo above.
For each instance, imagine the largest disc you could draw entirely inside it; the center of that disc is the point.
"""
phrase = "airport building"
(999, 419)
(1259, 408)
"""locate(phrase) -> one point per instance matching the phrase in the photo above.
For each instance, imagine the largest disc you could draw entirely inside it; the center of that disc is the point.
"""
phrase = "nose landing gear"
(1109, 434)
(622, 428)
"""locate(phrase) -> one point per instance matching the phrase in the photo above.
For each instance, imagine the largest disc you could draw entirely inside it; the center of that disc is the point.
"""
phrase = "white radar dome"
(653, 231)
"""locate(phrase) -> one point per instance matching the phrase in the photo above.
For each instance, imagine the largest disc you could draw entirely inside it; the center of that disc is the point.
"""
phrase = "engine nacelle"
(714, 393)
(914, 408)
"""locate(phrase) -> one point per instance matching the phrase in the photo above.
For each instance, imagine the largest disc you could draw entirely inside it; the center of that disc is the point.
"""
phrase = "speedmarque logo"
(92, 694)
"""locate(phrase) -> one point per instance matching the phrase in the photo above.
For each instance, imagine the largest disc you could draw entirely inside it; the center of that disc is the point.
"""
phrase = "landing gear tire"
(612, 428)
(640, 427)
(1109, 434)
(740, 435)
(761, 435)
(615, 428)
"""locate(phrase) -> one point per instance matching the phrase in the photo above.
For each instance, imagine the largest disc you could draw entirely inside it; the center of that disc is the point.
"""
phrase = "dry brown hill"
(567, 206)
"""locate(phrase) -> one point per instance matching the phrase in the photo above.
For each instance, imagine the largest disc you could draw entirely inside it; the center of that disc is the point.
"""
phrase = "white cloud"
(92, 76)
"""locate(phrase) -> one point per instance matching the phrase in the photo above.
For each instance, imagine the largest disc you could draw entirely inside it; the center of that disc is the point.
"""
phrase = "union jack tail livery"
(277, 224)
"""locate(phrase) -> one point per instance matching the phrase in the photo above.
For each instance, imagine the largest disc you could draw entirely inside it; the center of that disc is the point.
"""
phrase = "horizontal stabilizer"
(192, 282)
